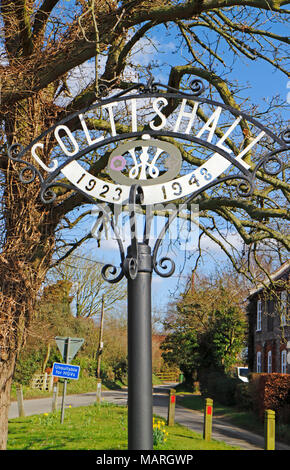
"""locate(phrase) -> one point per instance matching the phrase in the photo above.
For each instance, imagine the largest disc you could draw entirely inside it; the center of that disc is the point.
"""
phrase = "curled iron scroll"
(130, 265)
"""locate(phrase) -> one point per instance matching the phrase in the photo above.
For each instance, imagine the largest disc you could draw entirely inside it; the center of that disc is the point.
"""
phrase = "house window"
(259, 315)
(259, 361)
(283, 361)
(283, 308)
(269, 370)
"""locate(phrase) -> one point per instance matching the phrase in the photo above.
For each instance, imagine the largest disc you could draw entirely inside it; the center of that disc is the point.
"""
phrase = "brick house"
(269, 324)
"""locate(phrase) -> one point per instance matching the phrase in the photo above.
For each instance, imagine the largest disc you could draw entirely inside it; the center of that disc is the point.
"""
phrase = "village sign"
(145, 153)
(149, 144)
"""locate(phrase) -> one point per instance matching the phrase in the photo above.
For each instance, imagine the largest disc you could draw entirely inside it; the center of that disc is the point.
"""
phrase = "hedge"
(269, 392)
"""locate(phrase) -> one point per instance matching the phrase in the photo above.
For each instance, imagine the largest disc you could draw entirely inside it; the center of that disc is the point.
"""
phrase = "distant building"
(269, 324)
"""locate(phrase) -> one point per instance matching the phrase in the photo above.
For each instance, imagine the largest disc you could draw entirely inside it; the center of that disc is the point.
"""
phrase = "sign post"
(68, 348)
(146, 167)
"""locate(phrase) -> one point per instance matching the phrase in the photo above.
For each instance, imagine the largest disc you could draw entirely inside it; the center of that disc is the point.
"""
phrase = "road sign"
(68, 347)
(65, 371)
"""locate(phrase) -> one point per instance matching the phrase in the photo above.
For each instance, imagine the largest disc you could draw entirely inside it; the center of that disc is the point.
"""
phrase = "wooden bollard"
(54, 397)
(207, 423)
(171, 407)
(269, 430)
(44, 383)
(20, 402)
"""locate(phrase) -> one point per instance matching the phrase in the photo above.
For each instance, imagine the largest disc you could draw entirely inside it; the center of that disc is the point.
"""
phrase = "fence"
(168, 376)
(42, 381)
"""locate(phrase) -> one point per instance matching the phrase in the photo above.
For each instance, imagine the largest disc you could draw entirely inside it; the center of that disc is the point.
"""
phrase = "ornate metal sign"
(149, 144)
(173, 144)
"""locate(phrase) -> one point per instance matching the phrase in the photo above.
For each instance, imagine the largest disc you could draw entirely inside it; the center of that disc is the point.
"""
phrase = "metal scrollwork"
(197, 87)
(13, 151)
(266, 161)
(29, 173)
(109, 268)
(269, 170)
(163, 264)
(245, 187)
(130, 265)
(285, 135)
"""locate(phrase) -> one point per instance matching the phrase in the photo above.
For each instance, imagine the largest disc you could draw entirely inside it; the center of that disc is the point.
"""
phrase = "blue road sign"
(65, 371)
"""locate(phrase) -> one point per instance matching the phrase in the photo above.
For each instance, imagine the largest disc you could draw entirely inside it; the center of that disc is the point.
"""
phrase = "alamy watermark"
(171, 222)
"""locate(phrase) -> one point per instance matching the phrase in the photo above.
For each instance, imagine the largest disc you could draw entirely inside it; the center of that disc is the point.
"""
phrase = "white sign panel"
(152, 159)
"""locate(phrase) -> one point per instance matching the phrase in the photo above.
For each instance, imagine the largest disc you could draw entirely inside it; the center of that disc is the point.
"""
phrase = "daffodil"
(159, 432)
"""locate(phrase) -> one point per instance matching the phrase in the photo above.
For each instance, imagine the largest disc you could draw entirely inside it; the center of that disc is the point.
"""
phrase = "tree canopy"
(206, 327)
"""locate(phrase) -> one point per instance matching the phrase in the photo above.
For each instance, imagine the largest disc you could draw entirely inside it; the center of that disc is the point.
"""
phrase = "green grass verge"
(96, 427)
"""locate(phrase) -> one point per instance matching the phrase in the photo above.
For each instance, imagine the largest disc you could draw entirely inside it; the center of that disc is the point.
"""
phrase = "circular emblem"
(147, 161)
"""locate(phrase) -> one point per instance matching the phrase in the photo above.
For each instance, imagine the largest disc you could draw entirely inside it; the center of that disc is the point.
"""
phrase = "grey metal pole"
(100, 347)
(63, 401)
(140, 414)
(66, 360)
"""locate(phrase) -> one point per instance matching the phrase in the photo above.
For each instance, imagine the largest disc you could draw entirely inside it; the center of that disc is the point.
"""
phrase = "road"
(221, 430)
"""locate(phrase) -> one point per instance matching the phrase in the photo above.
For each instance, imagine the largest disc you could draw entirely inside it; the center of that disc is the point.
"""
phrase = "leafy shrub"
(26, 367)
(107, 373)
(88, 366)
(218, 386)
(120, 369)
(243, 396)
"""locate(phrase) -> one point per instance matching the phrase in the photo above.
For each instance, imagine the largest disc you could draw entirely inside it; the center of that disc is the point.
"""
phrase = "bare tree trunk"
(19, 285)
(16, 307)
(24, 261)
(46, 357)
(6, 374)
(26, 251)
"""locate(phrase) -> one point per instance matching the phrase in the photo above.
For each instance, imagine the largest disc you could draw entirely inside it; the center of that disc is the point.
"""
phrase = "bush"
(218, 386)
(88, 366)
(243, 396)
(26, 367)
(120, 369)
(270, 392)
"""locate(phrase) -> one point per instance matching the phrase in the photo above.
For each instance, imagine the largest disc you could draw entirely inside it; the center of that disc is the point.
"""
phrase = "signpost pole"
(66, 360)
(159, 187)
(140, 435)
(100, 347)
